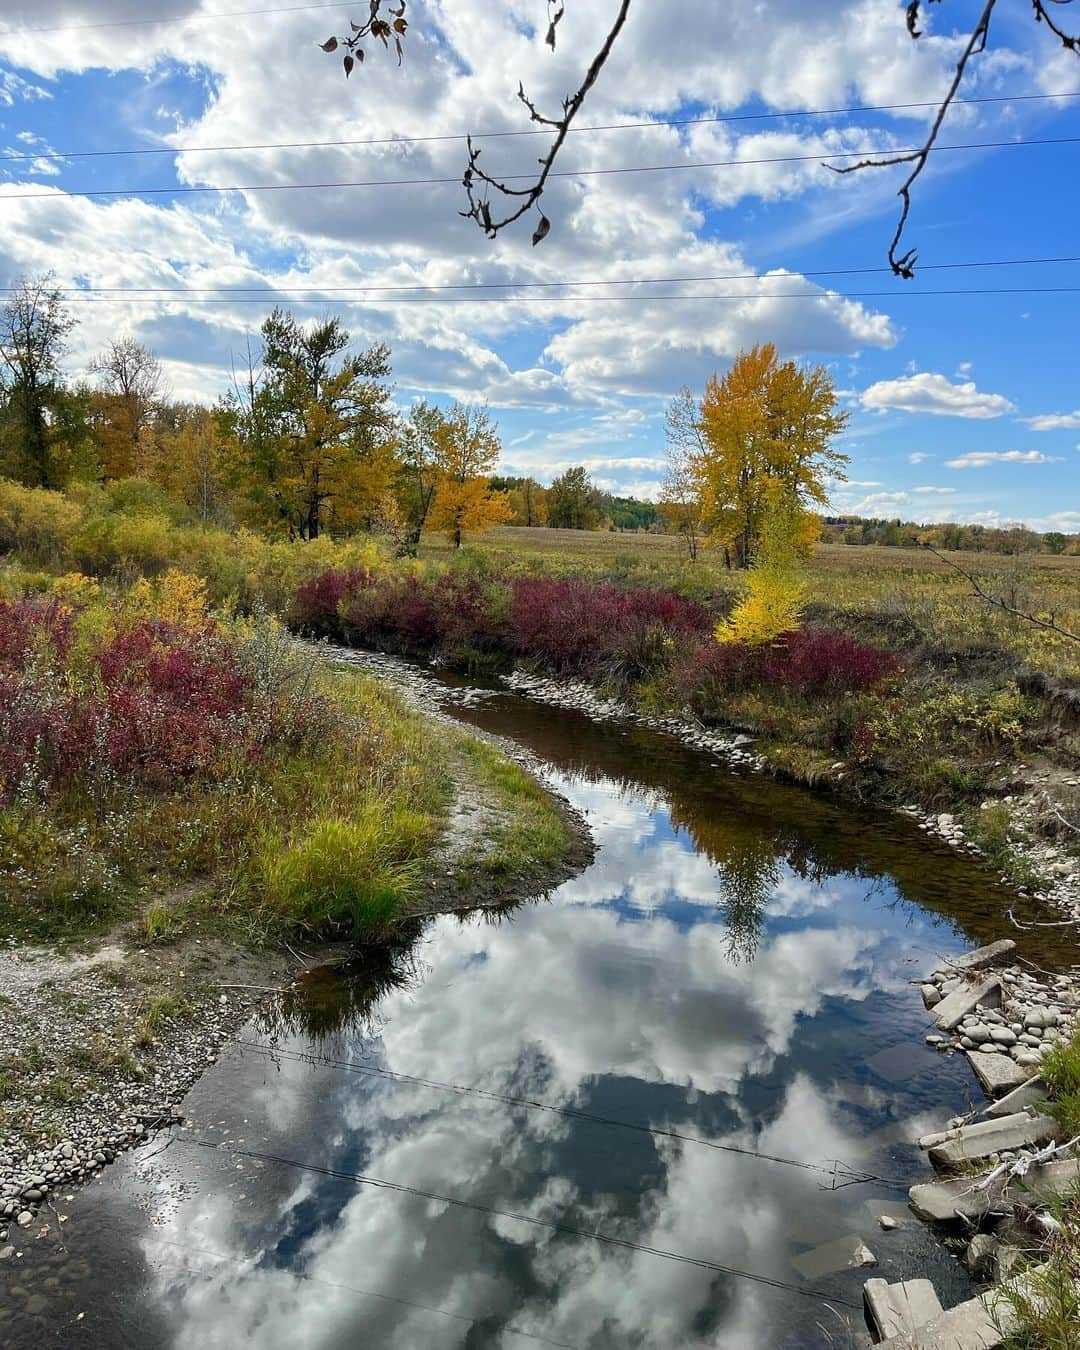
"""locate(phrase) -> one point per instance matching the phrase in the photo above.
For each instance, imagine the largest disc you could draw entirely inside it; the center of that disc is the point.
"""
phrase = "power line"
(898, 294)
(188, 189)
(526, 131)
(573, 1113)
(594, 1235)
(174, 18)
(270, 290)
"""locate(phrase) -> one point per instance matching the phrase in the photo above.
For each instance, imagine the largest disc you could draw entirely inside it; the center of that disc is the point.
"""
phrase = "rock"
(25, 1219)
(996, 1072)
(841, 1254)
(894, 1309)
(1031, 1093)
(980, 1254)
(949, 1201)
(973, 1325)
(1003, 1035)
(888, 1222)
(973, 1142)
(952, 1009)
(6, 1253)
(978, 1032)
(983, 956)
(931, 995)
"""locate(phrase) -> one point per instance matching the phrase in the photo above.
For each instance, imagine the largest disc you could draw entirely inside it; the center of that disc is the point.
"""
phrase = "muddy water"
(658, 1108)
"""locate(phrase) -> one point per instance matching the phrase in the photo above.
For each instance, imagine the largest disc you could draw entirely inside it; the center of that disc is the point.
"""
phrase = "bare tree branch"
(999, 603)
(374, 26)
(903, 264)
(477, 181)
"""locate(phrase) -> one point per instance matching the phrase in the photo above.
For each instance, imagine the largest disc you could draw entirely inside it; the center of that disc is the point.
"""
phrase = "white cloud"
(926, 392)
(933, 491)
(1054, 421)
(979, 459)
(917, 456)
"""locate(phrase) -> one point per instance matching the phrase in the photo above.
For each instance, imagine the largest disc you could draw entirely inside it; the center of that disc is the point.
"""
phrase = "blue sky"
(963, 406)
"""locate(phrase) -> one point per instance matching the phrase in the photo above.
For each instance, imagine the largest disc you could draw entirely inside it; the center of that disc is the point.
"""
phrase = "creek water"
(656, 1109)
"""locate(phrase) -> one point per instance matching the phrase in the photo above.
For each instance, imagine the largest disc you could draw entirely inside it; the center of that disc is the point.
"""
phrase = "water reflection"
(615, 1118)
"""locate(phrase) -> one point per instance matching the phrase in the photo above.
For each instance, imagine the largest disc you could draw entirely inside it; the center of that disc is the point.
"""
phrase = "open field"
(903, 588)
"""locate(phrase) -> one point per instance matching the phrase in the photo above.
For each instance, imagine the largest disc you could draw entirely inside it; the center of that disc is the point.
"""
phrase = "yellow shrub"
(75, 588)
(37, 520)
(775, 588)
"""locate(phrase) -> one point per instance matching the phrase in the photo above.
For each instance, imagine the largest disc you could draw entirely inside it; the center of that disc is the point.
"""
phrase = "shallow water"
(626, 1115)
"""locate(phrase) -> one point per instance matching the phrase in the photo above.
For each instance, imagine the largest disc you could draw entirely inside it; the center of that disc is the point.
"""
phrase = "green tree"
(44, 426)
(419, 459)
(574, 502)
(467, 448)
(314, 426)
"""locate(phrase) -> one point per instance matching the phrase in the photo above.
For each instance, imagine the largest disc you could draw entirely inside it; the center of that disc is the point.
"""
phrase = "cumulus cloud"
(933, 491)
(927, 392)
(917, 456)
(1054, 421)
(980, 459)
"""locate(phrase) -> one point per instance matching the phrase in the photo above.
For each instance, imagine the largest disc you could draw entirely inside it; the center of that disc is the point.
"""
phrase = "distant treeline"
(951, 535)
(574, 502)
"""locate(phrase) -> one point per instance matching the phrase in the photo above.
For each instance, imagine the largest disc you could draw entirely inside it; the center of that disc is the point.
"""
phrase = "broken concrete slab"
(998, 1074)
(983, 956)
(1031, 1093)
(952, 1009)
(840, 1254)
(974, 1325)
(897, 1308)
(948, 1201)
(971, 1142)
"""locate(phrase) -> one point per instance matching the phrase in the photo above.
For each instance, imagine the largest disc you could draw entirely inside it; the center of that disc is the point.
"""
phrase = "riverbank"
(106, 1028)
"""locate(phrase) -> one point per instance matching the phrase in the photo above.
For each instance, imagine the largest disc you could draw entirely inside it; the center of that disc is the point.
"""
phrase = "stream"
(659, 1108)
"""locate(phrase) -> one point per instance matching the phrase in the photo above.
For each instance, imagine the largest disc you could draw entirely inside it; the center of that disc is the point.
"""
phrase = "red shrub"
(32, 625)
(817, 660)
(316, 604)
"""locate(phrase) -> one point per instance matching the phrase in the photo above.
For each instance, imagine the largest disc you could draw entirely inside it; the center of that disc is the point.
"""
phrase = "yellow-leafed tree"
(775, 589)
(467, 448)
(766, 432)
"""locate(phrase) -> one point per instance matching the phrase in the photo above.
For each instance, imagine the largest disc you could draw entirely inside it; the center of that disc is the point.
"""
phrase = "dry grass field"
(907, 586)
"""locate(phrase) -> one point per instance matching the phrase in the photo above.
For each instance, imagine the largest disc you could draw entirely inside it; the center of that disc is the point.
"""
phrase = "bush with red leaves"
(29, 626)
(316, 605)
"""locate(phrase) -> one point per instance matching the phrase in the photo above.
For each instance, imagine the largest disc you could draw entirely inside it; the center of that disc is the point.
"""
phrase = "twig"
(998, 603)
(479, 207)
(904, 266)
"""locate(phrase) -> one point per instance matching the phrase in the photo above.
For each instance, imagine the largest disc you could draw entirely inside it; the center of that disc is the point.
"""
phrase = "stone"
(952, 1009)
(897, 1308)
(948, 1201)
(25, 1219)
(997, 1073)
(978, 1032)
(972, 1142)
(983, 956)
(6, 1253)
(931, 995)
(1003, 1035)
(974, 1325)
(842, 1253)
(979, 1257)
(897, 1214)
(1031, 1093)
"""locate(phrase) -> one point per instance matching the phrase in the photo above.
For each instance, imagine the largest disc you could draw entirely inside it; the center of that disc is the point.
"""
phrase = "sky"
(963, 407)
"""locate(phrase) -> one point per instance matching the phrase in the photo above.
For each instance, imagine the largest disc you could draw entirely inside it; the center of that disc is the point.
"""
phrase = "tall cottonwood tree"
(419, 469)
(132, 390)
(767, 430)
(574, 502)
(314, 427)
(680, 503)
(467, 448)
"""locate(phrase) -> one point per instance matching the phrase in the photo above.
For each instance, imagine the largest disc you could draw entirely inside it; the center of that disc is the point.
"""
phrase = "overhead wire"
(525, 131)
(552, 1225)
(187, 189)
(836, 1170)
(88, 298)
(437, 287)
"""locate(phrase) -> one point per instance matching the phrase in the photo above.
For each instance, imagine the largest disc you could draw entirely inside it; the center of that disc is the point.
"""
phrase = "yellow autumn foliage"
(775, 588)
